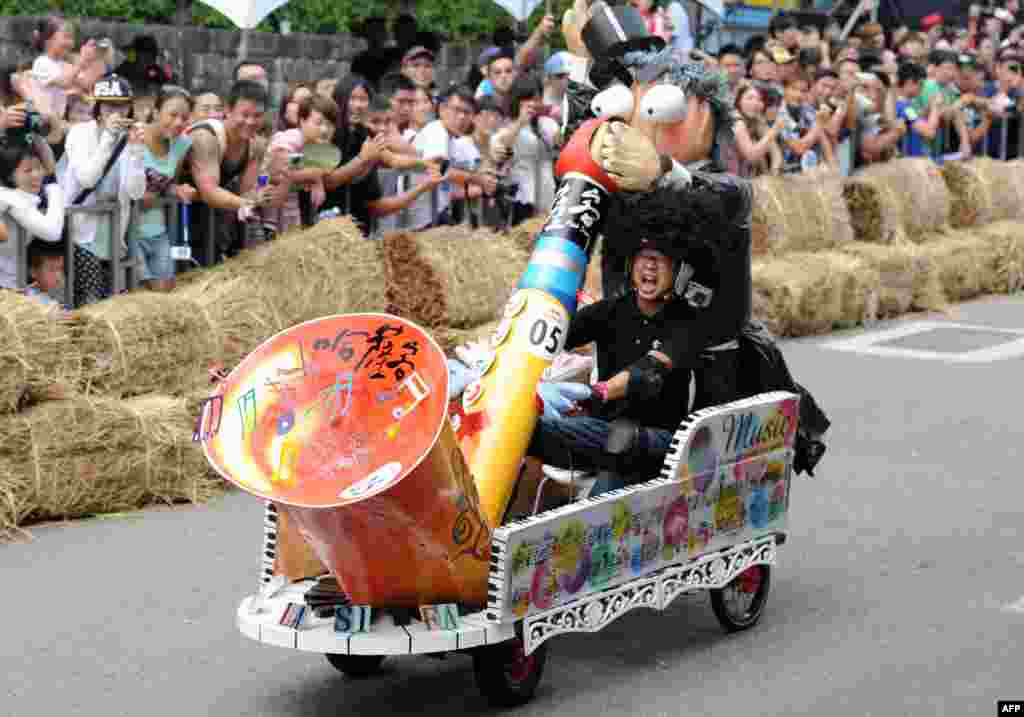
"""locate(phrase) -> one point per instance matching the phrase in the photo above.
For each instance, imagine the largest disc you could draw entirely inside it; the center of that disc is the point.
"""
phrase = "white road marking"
(866, 343)
(1016, 606)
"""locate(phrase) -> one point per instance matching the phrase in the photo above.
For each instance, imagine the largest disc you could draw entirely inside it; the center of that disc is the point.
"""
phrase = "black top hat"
(614, 31)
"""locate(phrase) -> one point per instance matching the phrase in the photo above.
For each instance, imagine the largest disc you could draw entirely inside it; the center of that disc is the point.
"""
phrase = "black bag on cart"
(763, 368)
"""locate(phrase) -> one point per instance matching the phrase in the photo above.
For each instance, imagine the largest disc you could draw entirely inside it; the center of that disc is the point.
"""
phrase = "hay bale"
(524, 235)
(799, 294)
(984, 190)
(35, 352)
(451, 276)
(1006, 239)
(908, 278)
(449, 339)
(145, 342)
(899, 199)
(963, 260)
(78, 457)
(288, 281)
(803, 212)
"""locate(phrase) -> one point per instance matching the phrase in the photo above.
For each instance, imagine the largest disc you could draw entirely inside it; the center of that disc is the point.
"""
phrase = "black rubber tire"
(500, 674)
(751, 616)
(355, 665)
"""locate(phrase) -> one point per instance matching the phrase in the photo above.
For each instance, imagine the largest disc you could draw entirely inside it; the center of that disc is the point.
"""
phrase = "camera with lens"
(35, 124)
(506, 189)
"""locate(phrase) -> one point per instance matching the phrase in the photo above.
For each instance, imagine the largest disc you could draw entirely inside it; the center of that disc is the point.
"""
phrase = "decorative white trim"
(715, 571)
(592, 612)
(657, 592)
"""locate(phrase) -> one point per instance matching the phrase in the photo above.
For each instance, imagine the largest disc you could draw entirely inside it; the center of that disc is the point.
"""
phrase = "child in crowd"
(56, 77)
(46, 273)
(317, 117)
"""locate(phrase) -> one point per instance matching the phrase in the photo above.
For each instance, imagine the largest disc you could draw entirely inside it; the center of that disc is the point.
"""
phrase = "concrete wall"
(207, 57)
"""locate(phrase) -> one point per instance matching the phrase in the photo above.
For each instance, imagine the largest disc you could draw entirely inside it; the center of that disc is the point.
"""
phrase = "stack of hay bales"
(804, 283)
(80, 456)
(894, 207)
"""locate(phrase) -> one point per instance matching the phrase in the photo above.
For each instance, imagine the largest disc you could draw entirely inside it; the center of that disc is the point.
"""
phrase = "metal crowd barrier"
(995, 144)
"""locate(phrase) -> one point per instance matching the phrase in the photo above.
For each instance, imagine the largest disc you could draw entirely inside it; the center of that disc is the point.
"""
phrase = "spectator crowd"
(104, 166)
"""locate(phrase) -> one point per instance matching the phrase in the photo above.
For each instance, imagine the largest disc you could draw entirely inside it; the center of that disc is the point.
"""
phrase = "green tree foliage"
(459, 19)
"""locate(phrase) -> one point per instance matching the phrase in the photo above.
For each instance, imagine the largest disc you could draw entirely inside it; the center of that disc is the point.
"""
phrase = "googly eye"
(663, 103)
(616, 101)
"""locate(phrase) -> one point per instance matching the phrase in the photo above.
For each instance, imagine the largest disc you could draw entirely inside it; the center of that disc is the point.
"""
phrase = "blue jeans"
(154, 255)
(578, 443)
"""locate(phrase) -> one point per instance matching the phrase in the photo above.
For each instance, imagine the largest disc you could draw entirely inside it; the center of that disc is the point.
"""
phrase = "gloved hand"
(628, 156)
(459, 376)
(558, 397)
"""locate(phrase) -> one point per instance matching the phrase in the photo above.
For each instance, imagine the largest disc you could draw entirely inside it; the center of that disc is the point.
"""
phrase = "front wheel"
(506, 675)
(355, 665)
(739, 605)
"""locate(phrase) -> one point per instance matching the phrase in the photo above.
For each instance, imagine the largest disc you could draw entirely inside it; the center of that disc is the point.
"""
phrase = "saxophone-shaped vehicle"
(388, 527)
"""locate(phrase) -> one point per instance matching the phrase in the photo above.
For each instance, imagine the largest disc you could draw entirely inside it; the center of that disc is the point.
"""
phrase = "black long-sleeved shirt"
(623, 335)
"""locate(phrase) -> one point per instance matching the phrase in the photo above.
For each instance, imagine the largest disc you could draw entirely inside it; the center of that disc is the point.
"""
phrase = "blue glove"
(559, 397)
(459, 376)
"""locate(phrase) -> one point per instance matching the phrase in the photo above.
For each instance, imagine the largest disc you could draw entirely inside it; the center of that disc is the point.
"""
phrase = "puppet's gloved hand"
(559, 397)
(629, 157)
(459, 376)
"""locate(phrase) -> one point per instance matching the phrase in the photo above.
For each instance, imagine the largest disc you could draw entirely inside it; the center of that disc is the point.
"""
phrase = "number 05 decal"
(546, 334)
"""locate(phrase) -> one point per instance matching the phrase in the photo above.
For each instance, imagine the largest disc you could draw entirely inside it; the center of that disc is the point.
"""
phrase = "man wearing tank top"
(223, 160)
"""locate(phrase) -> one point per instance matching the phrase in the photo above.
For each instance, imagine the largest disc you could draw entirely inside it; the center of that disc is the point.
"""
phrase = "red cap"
(929, 20)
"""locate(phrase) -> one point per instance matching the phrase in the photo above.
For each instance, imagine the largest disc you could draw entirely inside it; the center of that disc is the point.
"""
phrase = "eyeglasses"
(1015, 69)
(460, 110)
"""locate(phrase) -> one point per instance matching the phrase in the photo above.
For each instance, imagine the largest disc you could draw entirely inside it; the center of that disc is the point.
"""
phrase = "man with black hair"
(502, 72)
(730, 59)
(785, 30)
(639, 399)
(921, 127)
(436, 143)
(402, 92)
(222, 154)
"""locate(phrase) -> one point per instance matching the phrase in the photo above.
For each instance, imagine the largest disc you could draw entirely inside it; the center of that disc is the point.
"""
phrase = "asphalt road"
(894, 596)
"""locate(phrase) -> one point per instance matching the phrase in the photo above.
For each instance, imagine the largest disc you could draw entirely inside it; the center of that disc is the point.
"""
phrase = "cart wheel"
(739, 605)
(355, 665)
(506, 676)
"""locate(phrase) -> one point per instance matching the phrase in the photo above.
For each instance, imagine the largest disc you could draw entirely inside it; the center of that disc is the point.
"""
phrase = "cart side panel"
(726, 481)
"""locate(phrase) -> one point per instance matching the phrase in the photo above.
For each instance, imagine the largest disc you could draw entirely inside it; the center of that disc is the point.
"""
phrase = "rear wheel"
(506, 675)
(355, 665)
(739, 605)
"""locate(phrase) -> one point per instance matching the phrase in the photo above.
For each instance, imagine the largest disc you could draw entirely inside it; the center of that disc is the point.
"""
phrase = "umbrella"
(519, 9)
(246, 14)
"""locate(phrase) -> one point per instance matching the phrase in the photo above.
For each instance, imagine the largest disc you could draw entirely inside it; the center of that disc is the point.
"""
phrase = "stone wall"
(207, 57)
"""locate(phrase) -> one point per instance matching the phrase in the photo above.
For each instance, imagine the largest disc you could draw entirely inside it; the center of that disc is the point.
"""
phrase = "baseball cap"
(929, 21)
(557, 64)
(418, 51)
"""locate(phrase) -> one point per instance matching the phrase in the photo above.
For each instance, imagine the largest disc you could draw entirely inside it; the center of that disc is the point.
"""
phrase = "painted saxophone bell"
(499, 412)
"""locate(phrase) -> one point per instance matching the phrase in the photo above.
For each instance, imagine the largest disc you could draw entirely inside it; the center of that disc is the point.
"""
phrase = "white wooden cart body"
(751, 433)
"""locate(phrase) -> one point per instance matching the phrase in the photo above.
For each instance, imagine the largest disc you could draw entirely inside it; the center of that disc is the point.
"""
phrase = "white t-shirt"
(533, 160)
(44, 71)
(432, 142)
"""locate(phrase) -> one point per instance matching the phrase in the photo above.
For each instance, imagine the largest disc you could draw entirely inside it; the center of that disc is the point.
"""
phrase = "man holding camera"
(436, 142)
